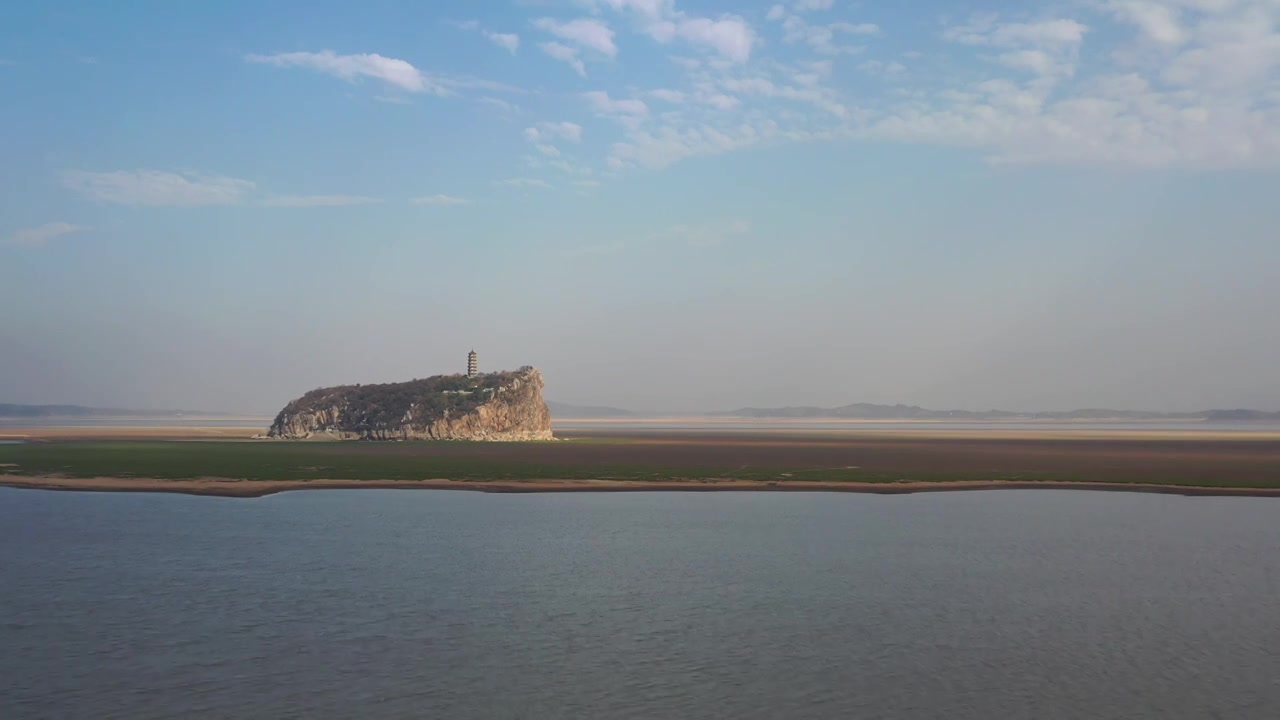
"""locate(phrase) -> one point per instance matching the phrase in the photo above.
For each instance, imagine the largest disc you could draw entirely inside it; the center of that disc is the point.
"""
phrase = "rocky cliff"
(493, 406)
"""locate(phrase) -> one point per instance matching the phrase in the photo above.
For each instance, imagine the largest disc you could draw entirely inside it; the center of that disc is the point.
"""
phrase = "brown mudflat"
(1190, 461)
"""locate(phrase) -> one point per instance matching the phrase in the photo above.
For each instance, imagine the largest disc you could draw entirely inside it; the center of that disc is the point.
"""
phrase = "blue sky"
(674, 205)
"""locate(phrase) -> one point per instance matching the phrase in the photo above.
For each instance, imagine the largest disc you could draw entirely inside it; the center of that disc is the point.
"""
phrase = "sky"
(665, 205)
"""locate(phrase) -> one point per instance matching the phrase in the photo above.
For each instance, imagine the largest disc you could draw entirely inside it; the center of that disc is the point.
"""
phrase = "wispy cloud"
(731, 36)
(587, 33)
(438, 200)
(157, 187)
(1130, 83)
(811, 5)
(528, 183)
(707, 234)
(312, 201)
(566, 55)
(675, 97)
(35, 236)
(508, 41)
(502, 105)
(827, 38)
(988, 30)
(627, 112)
(602, 103)
(393, 71)
(1158, 21)
(554, 131)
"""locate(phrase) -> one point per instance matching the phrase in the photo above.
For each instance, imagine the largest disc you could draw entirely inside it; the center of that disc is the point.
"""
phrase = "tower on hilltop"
(473, 364)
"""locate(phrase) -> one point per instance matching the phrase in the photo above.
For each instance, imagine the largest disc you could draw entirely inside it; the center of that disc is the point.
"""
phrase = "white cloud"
(508, 41)
(628, 113)
(605, 105)
(501, 105)
(856, 28)
(526, 183)
(985, 30)
(729, 35)
(587, 33)
(464, 82)
(438, 200)
(554, 131)
(820, 97)
(1158, 21)
(1236, 52)
(658, 148)
(1187, 87)
(548, 150)
(649, 10)
(392, 71)
(565, 54)
(156, 187)
(569, 168)
(889, 70)
(825, 38)
(811, 5)
(31, 237)
(311, 201)
(1045, 48)
(1162, 83)
(720, 101)
(1038, 62)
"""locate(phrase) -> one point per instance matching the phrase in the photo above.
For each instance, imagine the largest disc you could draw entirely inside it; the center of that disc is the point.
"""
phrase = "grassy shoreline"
(231, 488)
(617, 463)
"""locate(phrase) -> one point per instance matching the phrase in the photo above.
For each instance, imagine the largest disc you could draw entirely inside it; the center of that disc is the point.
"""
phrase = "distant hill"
(1242, 416)
(870, 411)
(11, 410)
(565, 410)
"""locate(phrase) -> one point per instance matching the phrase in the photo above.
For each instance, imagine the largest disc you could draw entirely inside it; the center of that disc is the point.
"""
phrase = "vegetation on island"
(416, 402)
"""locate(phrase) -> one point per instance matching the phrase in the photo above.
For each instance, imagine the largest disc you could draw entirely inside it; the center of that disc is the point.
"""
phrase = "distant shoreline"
(230, 488)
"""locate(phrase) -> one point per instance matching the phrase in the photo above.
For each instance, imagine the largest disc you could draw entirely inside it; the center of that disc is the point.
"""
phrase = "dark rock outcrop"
(502, 406)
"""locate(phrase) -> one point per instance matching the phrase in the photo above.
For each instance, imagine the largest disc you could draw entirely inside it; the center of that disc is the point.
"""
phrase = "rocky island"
(497, 406)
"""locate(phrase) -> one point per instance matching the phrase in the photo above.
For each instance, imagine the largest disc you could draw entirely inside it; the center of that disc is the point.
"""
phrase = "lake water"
(386, 604)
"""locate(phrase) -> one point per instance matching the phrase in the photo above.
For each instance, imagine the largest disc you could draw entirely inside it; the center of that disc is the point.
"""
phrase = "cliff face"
(495, 406)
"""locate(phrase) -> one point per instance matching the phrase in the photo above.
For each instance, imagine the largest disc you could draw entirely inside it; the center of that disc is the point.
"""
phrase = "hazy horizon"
(666, 206)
